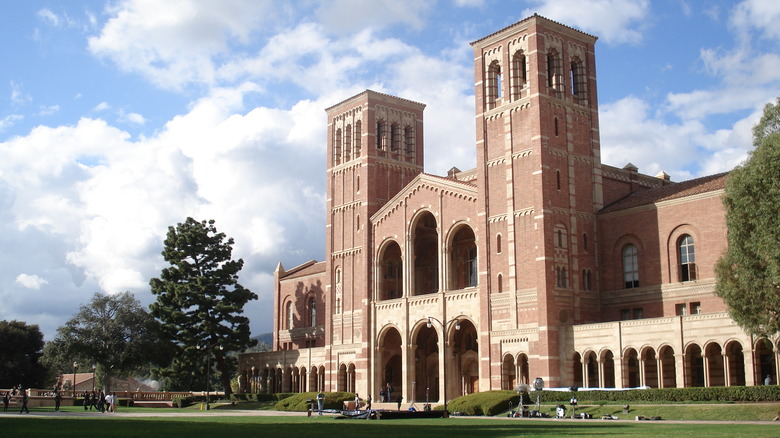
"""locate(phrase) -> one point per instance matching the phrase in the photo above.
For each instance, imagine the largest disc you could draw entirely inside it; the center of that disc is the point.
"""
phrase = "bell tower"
(539, 181)
(375, 148)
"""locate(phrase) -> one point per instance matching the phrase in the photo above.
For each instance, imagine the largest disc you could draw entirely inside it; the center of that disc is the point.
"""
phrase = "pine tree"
(200, 302)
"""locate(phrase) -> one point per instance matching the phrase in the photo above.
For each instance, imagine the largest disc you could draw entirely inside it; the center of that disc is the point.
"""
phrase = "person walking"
(6, 400)
(24, 402)
(388, 392)
(57, 400)
(368, 402)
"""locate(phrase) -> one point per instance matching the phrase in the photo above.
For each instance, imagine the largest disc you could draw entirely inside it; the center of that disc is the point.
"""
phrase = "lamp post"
(208, 372)
(74, 378)
(444, 326)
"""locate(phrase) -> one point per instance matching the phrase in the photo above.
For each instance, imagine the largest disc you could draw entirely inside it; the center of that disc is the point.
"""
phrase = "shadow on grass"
(303, 427)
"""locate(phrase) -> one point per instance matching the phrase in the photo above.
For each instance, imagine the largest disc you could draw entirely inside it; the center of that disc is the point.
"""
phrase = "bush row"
(301, 402)
(713, 394)
(262, 397)
(486, 403)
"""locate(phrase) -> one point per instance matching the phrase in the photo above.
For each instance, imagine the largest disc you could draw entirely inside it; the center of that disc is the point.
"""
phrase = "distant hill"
(264, 343)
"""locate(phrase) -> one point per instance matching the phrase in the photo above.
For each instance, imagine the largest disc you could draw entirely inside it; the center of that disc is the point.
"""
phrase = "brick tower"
(375, 148)
(537, 140)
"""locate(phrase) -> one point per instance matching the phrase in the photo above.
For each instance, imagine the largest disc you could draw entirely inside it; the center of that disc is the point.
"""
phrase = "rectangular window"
(639, 313)
(680, 309)
(695, 308)
(625, 314)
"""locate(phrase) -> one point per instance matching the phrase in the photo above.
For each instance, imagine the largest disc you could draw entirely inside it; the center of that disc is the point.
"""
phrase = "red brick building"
(539, 262)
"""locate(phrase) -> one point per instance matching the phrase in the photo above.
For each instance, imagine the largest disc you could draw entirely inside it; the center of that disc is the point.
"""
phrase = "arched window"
(500, 283)
(553, 80)
(348, 143)
(687, 258)
(337, 147)
(586, 279)
(337, 275)
(561, 279)
(409, 142)
(630, 266)
(493, 84)
(577, 78)
(381, 135)
(558, 179)
(498, 244)
(288, 312)
(395, 138)
(555, 122)
(519, 74)
(585, 241)
(358, 136)
(312, 312)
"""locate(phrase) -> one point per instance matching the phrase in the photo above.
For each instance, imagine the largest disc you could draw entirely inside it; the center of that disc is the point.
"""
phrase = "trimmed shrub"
(297, 402)
(675, 395)
(486, 403)
(262, 397)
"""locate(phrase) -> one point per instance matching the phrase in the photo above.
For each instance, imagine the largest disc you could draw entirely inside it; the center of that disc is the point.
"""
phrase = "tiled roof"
(305, 269)
(672, 191)
(535, 15)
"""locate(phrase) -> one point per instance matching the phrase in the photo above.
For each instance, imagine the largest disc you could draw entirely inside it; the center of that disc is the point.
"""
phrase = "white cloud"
(30, 281)
(8, 121)
(629, 133)
(134, 118)
(49, 17)
(102, 106)
(48, 110)
(614, 21)
(18, 96)
(175, 43)
(759, 14)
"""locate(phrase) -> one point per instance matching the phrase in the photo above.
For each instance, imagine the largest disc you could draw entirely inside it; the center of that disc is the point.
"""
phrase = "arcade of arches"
(712, 364)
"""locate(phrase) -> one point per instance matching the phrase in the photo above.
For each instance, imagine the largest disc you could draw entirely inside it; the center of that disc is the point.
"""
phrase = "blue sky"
(118, 119)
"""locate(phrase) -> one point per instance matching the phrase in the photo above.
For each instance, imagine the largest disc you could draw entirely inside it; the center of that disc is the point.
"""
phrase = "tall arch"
(668, 367)
(735, 360)
(508, 373)
(650, 366)
(631, 371)
(390, 356)
(765, 361)
(426, 364)
(716, 373)
(390, 272)
(464, 368)
(694, 366)
(463, 258)
(576, 370)
(607, 369)
(425, 254)
(523, 373)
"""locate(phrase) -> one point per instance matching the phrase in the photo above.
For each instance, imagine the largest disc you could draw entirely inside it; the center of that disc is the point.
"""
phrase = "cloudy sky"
(120, 118)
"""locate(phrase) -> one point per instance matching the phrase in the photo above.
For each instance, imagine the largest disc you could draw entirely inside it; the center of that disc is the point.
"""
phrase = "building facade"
(539, 262)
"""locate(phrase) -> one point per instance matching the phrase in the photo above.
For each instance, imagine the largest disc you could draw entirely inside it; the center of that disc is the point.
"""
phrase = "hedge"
(714, 394)
(495, 402)
(298, 402)
(260, 397)
(486, 403)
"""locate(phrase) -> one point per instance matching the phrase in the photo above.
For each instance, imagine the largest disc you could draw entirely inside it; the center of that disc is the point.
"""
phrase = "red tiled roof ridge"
(681, 189)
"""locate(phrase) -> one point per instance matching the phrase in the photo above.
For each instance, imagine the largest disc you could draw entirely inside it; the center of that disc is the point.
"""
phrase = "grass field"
(218, 424)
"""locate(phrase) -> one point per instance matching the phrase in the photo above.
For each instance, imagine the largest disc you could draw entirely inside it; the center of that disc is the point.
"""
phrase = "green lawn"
(213, 425)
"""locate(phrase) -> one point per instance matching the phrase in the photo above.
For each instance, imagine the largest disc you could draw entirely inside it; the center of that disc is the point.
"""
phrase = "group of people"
(100, 401)
(16, 391)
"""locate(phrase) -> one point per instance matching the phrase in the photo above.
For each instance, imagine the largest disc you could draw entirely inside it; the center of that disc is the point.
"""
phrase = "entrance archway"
(391, 367)
(735, 359)
(426, 365)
